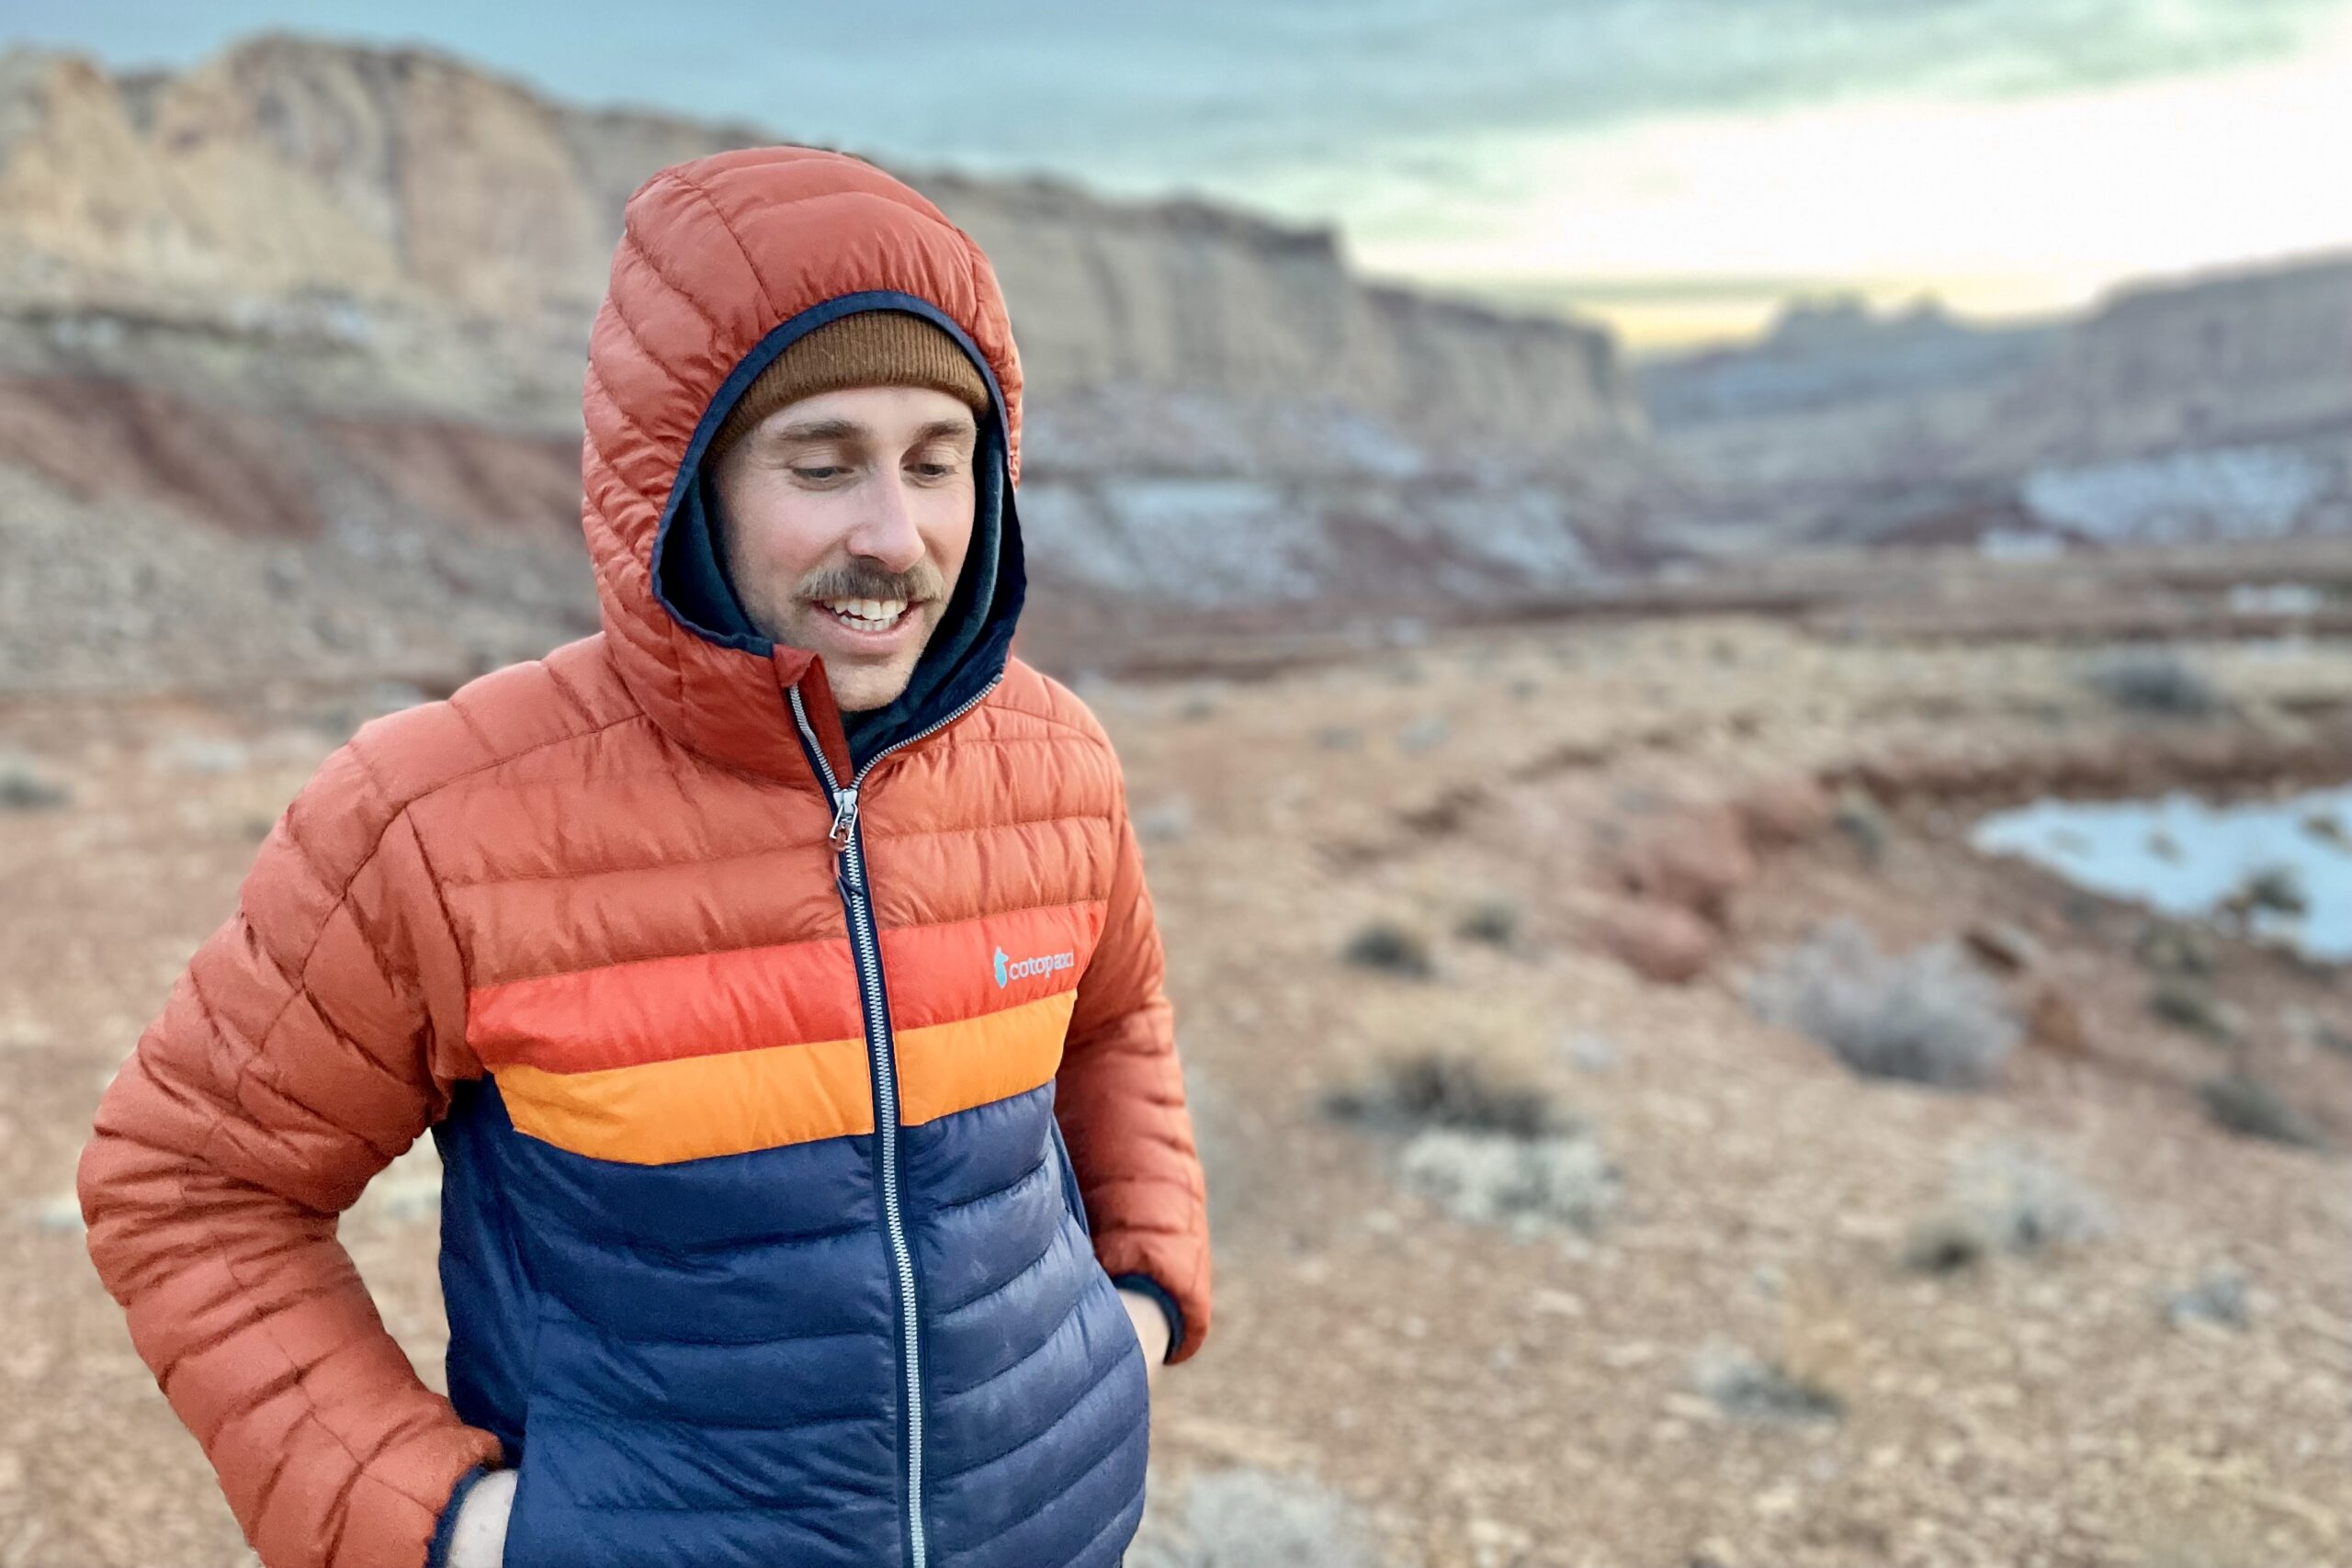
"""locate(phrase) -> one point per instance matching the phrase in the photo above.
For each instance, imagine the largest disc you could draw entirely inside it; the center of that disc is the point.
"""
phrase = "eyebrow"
(851, 430)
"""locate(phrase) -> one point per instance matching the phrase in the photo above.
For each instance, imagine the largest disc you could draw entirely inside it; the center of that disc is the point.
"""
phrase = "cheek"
(777, 544)
(946, 529)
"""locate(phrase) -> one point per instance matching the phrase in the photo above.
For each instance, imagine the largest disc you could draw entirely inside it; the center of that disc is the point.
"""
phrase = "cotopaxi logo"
(1009, 968)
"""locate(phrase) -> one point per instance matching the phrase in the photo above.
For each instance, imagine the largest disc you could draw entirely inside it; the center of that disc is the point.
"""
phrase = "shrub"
(1392, 949)
(1248, 1518)
(2251, 1109)
(2220, 1298)
(2170, 949)
(1434, 1088)
(1492, 921)
(2328, 828)
(2157, 681)
(2274, 889)
(1523, 1183)
(2005, 1199)
(1753, 1390)
(1924, 1016)
(1486, 1152)
(1858, 818)
(22, 789)
(2190, 1007)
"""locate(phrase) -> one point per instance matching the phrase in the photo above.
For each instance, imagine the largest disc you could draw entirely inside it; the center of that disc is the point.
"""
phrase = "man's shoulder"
(494, 721)
(1037, 701)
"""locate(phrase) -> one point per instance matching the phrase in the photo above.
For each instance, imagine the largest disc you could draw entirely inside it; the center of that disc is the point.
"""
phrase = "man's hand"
(1151, 1329)
(478, 1538)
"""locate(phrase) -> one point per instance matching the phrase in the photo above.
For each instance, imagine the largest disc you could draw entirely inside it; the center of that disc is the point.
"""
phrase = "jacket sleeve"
(304, 1048)
(1120, 1096)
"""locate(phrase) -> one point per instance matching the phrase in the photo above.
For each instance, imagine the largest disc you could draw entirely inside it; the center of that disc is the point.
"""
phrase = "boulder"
(1658, 941)
(1785, 812)
(1696, 858)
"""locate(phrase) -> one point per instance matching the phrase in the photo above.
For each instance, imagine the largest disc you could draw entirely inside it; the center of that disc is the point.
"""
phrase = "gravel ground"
(1731, 1366)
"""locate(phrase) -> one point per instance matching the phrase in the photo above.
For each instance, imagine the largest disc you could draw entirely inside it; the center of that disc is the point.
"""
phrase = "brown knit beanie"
(871, 349)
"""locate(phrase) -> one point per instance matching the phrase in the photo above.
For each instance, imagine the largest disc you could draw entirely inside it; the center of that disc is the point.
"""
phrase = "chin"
(863, 691)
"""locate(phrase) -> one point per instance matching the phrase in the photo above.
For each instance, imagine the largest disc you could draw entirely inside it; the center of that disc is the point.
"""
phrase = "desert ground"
(1436, 911)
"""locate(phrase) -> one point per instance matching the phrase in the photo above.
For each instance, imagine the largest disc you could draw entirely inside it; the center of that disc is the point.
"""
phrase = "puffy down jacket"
(775, 1096)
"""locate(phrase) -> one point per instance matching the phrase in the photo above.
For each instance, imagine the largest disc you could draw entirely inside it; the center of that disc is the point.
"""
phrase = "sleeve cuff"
(1151, 1286)
(436, 1552)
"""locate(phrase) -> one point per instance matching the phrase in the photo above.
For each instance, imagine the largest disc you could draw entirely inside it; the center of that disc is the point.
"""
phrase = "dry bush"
(2218, 1299)
(23, 788)
(1391, 949)
(1451, 1090)
(1924, 1016)
(2005, 1199)
(2154, 681)
(1492, 921)
(1751, 1389)
(1487, 1149)
(1523, 1184)
(2253, 1109)
(2186, 1005)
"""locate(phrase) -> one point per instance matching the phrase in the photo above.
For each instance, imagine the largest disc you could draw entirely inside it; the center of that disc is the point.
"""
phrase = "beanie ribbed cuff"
(872, 349)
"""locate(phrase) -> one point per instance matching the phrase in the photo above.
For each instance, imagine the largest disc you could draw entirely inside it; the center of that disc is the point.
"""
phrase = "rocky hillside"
(293, 181)
(2216, 407)
(309, 292)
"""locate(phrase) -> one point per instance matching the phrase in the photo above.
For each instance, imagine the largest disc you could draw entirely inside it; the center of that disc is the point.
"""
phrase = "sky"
(1677, 168)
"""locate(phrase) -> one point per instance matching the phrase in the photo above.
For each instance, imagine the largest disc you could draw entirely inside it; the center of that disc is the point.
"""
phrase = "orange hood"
(722, 263)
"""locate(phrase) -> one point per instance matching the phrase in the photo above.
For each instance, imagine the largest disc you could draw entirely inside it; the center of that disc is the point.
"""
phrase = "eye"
(819, 475)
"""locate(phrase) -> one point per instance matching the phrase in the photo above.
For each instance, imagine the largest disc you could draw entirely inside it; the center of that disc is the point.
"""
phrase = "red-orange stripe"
(703, 1004)
(753, 999)
(940, 974)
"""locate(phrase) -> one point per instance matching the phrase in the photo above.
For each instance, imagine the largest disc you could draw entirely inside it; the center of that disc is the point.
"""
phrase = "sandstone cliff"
(332, 302)
(289, 175)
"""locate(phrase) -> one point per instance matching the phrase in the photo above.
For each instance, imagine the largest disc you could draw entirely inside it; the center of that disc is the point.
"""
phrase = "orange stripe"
(662, 1112)
(708, 1004)
(954, 1067)
(693, 1108)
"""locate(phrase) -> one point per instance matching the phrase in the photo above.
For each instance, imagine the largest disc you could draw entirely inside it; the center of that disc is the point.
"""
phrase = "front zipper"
(865, 949)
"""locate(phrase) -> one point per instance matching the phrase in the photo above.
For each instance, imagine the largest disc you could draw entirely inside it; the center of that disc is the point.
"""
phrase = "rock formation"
(305, 290)
(2213, 407)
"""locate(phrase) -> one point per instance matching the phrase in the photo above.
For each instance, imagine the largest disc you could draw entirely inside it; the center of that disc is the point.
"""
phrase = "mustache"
(860, 581)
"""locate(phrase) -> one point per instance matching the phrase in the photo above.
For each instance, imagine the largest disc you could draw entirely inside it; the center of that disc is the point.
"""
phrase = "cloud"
(1251, 85)
(1141, 97)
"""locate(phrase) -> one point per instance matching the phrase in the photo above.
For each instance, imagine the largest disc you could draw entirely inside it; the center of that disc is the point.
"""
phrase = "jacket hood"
(723, 263)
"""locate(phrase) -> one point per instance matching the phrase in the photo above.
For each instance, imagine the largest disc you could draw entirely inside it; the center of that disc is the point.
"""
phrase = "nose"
(885, 533)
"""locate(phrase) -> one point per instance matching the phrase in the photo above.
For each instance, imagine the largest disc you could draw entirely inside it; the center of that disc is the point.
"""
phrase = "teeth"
(878, 611)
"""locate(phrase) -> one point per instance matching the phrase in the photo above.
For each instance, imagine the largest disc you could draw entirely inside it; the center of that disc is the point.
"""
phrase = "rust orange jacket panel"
(787, 1170)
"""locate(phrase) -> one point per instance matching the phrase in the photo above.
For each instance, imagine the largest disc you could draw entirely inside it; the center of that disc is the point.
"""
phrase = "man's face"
(846, 517)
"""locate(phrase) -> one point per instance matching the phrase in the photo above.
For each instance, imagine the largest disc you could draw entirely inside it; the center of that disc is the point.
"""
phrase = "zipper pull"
(844, 816)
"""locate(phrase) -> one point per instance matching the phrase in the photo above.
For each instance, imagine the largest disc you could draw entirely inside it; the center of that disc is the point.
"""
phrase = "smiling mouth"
(868, 615)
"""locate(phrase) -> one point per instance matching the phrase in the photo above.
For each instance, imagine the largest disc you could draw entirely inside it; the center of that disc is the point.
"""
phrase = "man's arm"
(1120, 1096)
(307, 1044)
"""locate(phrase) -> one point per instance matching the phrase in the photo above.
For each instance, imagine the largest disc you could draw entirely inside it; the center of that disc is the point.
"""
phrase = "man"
(749, 962)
